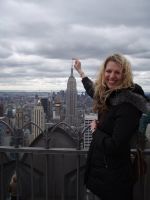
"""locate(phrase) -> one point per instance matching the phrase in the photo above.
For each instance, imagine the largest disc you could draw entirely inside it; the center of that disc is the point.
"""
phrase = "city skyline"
(40, 38)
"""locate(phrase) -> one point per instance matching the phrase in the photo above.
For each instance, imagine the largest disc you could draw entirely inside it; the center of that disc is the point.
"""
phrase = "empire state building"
(71, 100)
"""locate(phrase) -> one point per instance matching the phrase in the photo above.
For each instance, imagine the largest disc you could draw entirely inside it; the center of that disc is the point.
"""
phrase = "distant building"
(45, 102)
(148, 132)
(38, 117)
(57, 109)
(19, 118)
(144, 121)
(10, 116)
(71, 100)
(2, 132)
(88, 135)
(1, 110)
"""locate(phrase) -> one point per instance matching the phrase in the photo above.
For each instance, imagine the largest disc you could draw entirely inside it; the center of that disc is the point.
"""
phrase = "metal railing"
(45, 173)
(31, 162)
(51, 174)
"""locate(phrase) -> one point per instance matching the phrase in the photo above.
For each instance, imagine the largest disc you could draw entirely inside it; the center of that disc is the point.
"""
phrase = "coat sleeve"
(88, 85)
(126, 122)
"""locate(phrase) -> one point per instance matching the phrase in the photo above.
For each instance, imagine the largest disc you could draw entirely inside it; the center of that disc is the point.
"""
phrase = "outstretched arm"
(87, 83)
(79, 69)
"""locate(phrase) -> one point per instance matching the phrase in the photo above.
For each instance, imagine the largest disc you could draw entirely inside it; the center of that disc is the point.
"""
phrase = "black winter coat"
(108, 169)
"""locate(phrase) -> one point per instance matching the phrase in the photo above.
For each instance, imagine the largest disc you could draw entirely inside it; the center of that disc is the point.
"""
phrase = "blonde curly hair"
(100, 87)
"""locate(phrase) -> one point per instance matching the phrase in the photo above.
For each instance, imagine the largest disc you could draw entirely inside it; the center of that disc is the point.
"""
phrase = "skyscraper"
(38, 117)
(71, 100)
(57, 109)
(45, 102)
(1, 109)
(88, 118)
(19, 117)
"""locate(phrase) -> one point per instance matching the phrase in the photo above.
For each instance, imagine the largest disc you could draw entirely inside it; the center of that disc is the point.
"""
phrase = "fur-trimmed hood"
(134, 96)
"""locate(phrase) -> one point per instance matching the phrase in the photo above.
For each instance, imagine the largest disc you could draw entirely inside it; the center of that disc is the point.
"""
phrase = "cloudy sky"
(39, 38)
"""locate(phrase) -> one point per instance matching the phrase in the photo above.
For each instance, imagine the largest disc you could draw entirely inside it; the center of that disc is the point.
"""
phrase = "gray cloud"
(39, 38)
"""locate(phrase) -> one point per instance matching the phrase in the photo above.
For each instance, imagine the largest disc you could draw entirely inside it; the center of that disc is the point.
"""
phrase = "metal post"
(1, 177)
(78, 177)
(63, 173)
(32, 181)
(46, 137)
(17, 175)
(46, 177)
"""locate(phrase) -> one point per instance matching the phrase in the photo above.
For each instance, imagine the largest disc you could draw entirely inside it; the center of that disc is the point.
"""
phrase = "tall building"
(88, 135)
(38, 117)
(71, 100)
(46, 106)
(144, 121)
(10, 116)
(1, 110)
(19, 118)
(57, 110)
(148, 131)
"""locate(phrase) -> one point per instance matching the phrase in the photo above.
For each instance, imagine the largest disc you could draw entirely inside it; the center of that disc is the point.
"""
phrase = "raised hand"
(77, 65)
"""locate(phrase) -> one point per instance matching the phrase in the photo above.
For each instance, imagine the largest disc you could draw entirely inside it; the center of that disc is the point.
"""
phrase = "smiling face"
(113, 75)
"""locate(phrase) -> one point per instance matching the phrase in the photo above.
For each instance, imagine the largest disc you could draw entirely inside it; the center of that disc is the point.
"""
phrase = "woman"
(120, 104)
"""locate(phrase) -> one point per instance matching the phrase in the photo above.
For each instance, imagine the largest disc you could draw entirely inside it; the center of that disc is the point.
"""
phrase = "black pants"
(116, 194)
(13, 197)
